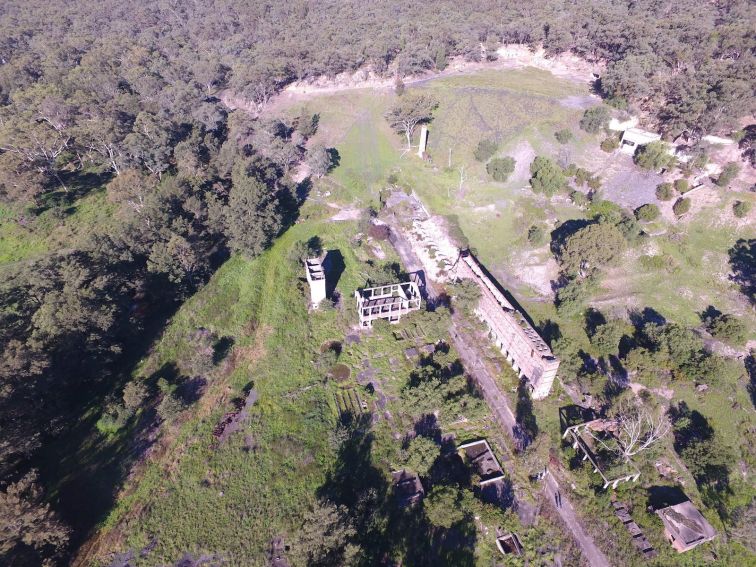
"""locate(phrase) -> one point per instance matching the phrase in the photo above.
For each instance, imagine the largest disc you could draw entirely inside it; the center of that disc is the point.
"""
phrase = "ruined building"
(685, 526)
(316, 278)
(525, 350)
(388, 302)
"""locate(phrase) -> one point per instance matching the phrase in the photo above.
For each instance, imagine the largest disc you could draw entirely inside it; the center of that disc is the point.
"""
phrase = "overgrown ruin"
(388, 302)
(510, 331)
(591, 438)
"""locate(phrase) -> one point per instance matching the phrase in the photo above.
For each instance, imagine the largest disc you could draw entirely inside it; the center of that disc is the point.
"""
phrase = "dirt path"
(591, 552)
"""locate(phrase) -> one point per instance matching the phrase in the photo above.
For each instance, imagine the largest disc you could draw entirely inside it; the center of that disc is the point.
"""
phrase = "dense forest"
(126, 94)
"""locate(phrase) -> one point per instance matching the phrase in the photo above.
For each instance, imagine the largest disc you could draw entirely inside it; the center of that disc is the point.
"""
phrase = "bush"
(594, 119)
(134, 394)
(571, 299)
(579, 198)
(741, 209)
(727, 328)
(681, 207)
(653, 156)
(547, 176)
(729, 172)
(563, 136)
(485, 150)
(610, 144)
(664, 192)
(594, 183)
(170, 406)
(682, 186)
(647, 212)
(500, 168)
(536, 235)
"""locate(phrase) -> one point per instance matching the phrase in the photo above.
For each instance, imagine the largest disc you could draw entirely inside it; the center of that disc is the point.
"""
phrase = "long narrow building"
(510, 331)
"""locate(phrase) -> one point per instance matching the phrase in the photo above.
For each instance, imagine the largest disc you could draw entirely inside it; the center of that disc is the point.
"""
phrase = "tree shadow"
(527, 426)
(334, 266)
(335, 158)
(639, 319)
(709, 313)
(222, 348)
(593, 319)
(574, 415)
(750, 364)
(303, 190)
(743, 264)
(662, 496)
(549, 331)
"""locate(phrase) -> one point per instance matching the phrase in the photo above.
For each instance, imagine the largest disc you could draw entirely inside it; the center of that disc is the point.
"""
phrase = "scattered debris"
(640, 540)
(233, 421)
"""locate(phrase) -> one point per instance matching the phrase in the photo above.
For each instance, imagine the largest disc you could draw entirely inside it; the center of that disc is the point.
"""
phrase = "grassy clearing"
(24, 238)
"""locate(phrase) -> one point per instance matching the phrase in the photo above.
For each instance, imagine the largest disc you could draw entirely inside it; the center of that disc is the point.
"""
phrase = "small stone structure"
(316, 278)
(480, 455)
(525, 350)
(388, 302)
(423, 142)
(640, 541)
(407, 487)
(509, 544)
(612, 473)
(632, 138)
(685, 527)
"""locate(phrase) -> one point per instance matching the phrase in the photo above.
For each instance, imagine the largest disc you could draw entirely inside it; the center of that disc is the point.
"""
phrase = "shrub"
(170, 406)
(729, 172)
(547, 176)
(500, 168)
(681, 207)
(610, 144)
(647, 212)
(664, 192)
(741, 209)
(571, 298)
(485, 150)
(682, 186)
(594, 119)
(727, 328)
(594, 183)
(134, 394)
(653, 156)
(579, 198)
(536, 235)
(563, 136)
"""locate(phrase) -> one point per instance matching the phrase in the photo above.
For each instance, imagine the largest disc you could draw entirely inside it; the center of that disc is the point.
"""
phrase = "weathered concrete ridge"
(316, 278)
(388, 302)
(525, 350)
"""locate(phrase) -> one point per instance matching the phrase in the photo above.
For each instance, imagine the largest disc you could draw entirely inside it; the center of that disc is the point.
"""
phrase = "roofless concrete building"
(388, 302)
(525, 350)
(316, 278)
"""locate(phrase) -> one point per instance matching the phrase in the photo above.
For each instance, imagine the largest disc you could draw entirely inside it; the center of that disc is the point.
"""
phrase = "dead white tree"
(633, 428)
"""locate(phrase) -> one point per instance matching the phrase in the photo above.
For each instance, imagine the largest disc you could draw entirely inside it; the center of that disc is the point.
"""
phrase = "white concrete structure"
(316, 278)
(633, 138)
(622, 125)
(388, 302)
(423, 142)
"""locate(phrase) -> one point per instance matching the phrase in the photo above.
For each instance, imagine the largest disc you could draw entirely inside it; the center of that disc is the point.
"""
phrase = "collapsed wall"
(525, 350)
